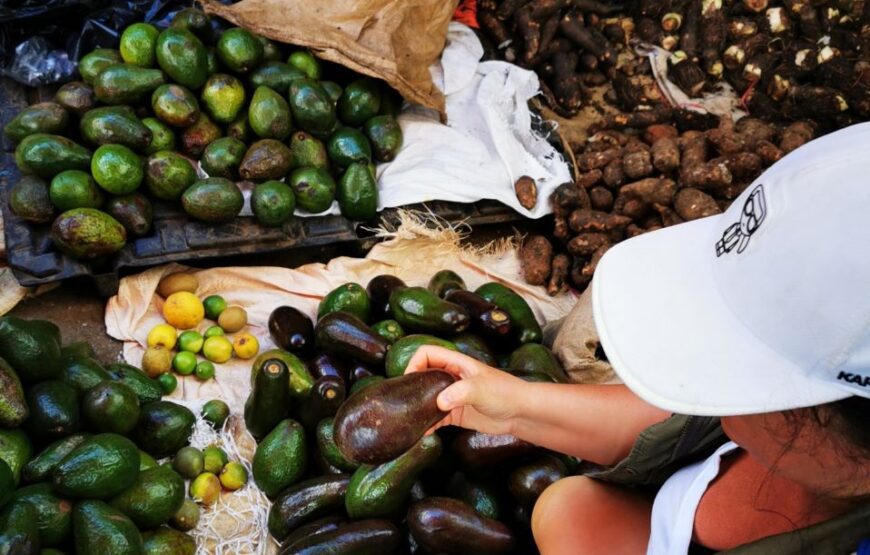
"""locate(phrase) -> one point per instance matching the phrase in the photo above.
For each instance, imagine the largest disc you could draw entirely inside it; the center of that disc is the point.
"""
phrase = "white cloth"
(673, 513)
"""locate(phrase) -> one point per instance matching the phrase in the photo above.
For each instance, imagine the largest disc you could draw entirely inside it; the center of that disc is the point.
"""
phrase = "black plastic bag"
(41, 41)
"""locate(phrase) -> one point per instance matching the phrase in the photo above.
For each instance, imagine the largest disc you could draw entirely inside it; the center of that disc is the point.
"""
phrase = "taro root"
(527, 192)
(691, 204)
(558, 274)
(537, 257)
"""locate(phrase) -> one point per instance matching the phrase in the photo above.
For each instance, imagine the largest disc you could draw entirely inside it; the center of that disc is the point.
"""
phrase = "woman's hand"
(483, 398)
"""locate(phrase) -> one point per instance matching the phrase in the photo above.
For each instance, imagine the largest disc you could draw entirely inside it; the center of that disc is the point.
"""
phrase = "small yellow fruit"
(217, 349)
(246, 345)
(206, 488)
(173, 283)
(233, 319)
(233, 476)
(183, 310)
(162, 335)
(157, 360)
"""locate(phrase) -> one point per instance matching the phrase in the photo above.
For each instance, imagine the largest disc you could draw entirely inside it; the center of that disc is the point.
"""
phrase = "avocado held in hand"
(386, 419)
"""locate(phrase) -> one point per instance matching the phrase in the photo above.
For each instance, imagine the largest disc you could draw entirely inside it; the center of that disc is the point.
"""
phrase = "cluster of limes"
(185, 312)
(210, 472)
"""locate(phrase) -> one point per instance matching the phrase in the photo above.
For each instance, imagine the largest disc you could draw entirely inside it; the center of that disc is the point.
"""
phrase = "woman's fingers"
(459, 394)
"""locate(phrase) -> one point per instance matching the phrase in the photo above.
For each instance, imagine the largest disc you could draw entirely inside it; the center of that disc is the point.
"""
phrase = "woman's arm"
(597, 423)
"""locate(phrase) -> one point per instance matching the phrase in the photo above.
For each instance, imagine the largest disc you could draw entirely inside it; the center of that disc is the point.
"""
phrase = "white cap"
(763, 308)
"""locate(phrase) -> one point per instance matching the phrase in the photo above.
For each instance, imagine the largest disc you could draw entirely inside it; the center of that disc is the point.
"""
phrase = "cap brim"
(674, 342)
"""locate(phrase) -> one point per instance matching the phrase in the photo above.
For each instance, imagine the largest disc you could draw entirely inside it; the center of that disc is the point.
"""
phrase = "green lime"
(187, 516)
(167, 382)
(214, 305)
(215, 412)
(233, 476)
(190, 341)
(184, 363)
(213, 331)
(188, 462)
(214, 459)
(205, 370)
(217, 349)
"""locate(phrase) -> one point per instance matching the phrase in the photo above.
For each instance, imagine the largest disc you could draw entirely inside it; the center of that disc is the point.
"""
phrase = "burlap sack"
(575, 343)
(393, 40)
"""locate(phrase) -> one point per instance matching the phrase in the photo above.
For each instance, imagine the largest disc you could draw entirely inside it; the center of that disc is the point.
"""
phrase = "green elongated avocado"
(417, 308)
(76, 97)
(196, 21)
(275, 75)
(371, 536)
(126, 84)
(344, 334)
(19, 529)
(96, 61)
(300, 380)
(281, 458)
(101, 467)
(223, 96)
(144, 387)
(82, 372)
(166, 541)
(13, 407)
(403, 350)
(30, 200)
(384, 420)
(53, 514)
(357, 193)
(15, 451)
(41, 467)
(325, 433)
(78, 348)
(269, 114)
(175, 105)
(154, 497)
(383, 490)
(347, 146)
(164, 427)
(88, 233)
(44, 117)
(168, 174)
(111, 406)
(117, 169)
(137, 44)
(349, 297)
(183, 57)
(307, 63)
(444, 525)
(214, 200)
(31, 347)
(312, 107)
(306, 501)
(444, 282)
(101, 530)
(307, 151)
(385, 136)
(523, 320)
(54, 411)
(115, 125)
(532, 358)
(47, 155)
(269, 399)
(360, 101)
(265, 159)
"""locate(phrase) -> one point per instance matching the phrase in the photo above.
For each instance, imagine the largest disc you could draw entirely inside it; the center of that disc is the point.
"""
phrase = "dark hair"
(848, 417)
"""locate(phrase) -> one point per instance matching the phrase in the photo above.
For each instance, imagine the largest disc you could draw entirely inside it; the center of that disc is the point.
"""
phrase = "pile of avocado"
(453, 492)
(134, 128)
(78, 443)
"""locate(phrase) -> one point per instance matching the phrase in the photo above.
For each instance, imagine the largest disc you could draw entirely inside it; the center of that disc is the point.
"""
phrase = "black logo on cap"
(737, 235)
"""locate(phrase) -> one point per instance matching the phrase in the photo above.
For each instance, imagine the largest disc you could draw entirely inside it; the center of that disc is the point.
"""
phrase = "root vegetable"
(638, 164)
(796, 135)
(589, 268)
(743, 165)
(691, 204)
(613, 175)
(694, 152)
(507, 8)
(643, 118)
(558, 274)
(768, 151)
(597, 160)
(593, 221)
(651, 190)
(689, 76)
(493, 27)
(560, 228)
(527, 192)
(659, 131)
(587, 180)
(530, 31)
(667, 215)
(710, 175)
(567, 197)
(601, 199)
(537, 257)
(579, 280)
(586, 244)
(665, 155)
(634, 208)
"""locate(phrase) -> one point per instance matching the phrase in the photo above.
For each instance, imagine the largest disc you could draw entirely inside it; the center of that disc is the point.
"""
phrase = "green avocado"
(48, 155)
(271, 52)
(273, 203)
(403, 350)
(385, 136)
(195, 138)
(115, 125)
(223, 157)
(78, 348)
(224, 97)
(265, 159)
(53, 514)
(168, 175)
(347, 146)
(183, 57)
(238, 128)
(19, 529)
(334, 89)
(13, 407)
(304, 61)
(41, 467)
(94, 62)
(82, 372)
(417, 308)
(175, 105)
(214, 199)
(162, 137)
(74, 189)
(76, 97)
(54, 411)
(166, 541)
(328, 449)
(15, 451)
(307, 151)
(31, 347)
(126, 84)
(151, 501)
(101, 467)
(239, 50)
(349, 297)
(101, 530)
(117, 169)
(269, 114)
(164, 428)
(312, 107)
(314, 189)
(357, 193)
(144, 387)
(134, 212)
(281, 458)
(45, 117)
(138, 42)
(360, 101)
(275, 75)
(111, 407)
(195, 21)
(300, 380)
(88, 233)
(29, 199)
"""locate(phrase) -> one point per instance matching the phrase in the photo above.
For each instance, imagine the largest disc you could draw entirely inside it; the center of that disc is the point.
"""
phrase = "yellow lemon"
(157, 360)
(183, 310)
(162, 335)
(246, 345)
(217, 349)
